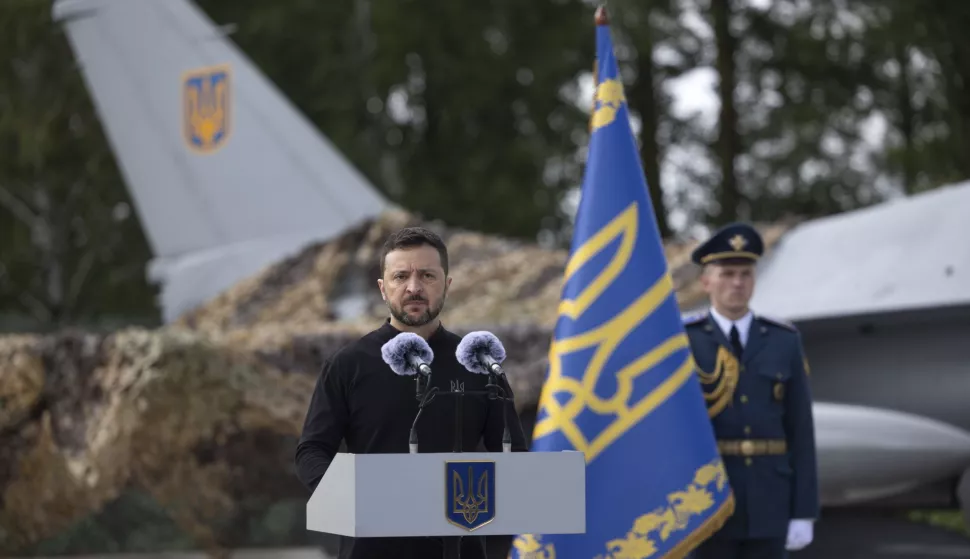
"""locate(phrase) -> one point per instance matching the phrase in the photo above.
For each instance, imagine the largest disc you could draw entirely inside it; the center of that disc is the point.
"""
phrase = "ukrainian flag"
(621, 385)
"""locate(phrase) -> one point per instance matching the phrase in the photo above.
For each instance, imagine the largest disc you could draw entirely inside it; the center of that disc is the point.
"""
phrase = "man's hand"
(799, 534)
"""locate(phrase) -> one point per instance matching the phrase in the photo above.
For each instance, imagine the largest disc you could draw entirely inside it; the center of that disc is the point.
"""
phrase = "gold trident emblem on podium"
(471, 493)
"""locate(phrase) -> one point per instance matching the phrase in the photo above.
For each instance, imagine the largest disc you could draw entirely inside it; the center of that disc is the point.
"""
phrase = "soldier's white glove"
(799, 534)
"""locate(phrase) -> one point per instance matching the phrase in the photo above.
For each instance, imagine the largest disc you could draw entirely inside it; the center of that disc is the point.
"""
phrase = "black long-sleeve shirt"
(359, 399)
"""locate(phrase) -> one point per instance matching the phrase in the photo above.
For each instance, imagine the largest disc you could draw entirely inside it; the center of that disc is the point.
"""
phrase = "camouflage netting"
(183, 437)
(496, 281)
(203, 426)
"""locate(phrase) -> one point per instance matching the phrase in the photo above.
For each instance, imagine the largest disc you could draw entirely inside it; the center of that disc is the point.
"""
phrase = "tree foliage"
(476, 114)
(70, 249)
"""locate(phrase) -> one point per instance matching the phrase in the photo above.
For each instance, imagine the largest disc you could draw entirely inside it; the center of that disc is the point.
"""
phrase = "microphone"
(407, 354)
(482, 353)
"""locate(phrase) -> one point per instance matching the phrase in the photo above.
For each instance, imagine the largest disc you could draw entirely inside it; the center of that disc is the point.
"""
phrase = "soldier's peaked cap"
(736, 242)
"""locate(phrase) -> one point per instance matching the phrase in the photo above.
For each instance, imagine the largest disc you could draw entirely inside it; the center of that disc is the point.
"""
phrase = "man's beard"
(425, 317)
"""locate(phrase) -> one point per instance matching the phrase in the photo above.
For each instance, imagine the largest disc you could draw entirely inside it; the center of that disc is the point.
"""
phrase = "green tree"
(70, 250)
(455, 110)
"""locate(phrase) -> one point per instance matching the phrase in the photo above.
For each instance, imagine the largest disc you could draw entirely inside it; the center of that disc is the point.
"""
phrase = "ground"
(838, 536)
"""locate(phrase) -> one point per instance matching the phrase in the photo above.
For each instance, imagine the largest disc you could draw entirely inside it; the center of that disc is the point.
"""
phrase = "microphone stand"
(494, 391)
(459, 392)
(424, 395)
(452, 545)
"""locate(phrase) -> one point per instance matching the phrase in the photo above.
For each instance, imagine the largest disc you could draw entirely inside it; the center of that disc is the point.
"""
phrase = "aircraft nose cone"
(866, 453)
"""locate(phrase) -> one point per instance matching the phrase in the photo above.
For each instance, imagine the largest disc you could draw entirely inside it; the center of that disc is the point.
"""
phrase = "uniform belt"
(749, 447)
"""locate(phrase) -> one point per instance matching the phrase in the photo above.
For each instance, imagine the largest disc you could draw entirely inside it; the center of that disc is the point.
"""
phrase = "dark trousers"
(719, 547)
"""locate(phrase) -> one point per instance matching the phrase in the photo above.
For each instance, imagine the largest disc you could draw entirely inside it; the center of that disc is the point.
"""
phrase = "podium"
(451, 494)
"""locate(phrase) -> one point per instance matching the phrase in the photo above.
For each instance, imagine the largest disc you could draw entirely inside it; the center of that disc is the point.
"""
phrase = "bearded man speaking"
(360, 400)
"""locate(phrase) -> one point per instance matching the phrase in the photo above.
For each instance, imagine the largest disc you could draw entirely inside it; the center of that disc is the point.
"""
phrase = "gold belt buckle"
(747, 448)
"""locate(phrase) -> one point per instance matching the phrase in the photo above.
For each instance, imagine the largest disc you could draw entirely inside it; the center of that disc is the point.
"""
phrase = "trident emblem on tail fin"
(206, 108)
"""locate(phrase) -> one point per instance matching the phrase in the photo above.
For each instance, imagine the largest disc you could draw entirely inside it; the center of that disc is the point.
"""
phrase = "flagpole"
(600, 18)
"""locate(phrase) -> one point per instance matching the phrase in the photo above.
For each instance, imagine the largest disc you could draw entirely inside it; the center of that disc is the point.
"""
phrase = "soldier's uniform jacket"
(761, 409)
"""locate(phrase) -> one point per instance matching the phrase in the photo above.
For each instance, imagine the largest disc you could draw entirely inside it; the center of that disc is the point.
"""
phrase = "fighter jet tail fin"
(216, 159)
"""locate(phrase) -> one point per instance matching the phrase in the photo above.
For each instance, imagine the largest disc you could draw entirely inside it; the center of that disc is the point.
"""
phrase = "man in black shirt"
(360, 400)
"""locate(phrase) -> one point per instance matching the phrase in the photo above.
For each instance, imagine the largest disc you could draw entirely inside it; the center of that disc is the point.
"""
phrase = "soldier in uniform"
(755, 379)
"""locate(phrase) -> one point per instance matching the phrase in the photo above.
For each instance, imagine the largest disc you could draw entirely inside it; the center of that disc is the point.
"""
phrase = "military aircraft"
(228, 177)
(881, 296)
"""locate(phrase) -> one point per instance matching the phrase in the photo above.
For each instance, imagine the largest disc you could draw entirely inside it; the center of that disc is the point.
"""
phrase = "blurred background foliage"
(476, 114)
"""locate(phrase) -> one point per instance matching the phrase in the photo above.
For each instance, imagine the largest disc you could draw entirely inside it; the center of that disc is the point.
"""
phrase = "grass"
(947, 519)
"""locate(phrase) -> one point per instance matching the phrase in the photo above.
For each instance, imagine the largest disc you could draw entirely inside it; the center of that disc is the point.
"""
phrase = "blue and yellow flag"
(621, 385)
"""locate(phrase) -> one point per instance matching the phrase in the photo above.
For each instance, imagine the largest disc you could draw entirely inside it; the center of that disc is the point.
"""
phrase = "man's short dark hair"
(411, 237)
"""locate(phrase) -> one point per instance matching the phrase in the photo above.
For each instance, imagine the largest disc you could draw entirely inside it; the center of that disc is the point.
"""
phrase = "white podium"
(451, 494)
